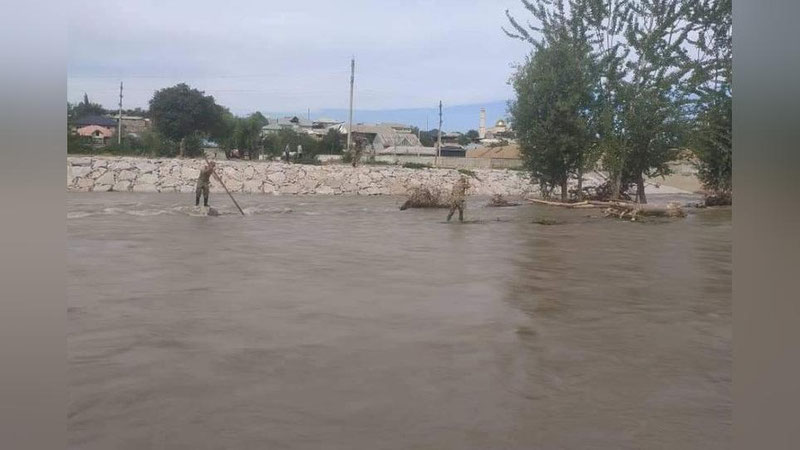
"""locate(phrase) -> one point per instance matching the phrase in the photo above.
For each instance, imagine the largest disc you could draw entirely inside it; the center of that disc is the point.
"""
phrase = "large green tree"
(247, 133)
(554, 98)
(179, 112)
(550, 112)
(223, 131)
(640, 47)
(83, 109)
(138, 112)
(275, 143)
(713, 91)
(428, 138)
(332, 142)
(654, 97)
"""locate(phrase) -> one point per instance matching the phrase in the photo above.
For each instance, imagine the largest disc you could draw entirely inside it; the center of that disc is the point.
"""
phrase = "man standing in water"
(203, 184)
(458, 198)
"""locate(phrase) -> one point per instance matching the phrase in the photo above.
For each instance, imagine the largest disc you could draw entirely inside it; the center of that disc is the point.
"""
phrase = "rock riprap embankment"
(124, 174)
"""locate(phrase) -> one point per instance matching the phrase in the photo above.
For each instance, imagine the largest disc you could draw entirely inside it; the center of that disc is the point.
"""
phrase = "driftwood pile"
(500, 201)
(634, 210)
(424, 197)
(622, 210)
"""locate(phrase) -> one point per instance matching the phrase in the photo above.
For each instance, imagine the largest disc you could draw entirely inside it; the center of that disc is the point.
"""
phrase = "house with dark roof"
(321, 126)
(381, 137)
(399, 127)
(98, 128)
(295, 123)
(101, 121)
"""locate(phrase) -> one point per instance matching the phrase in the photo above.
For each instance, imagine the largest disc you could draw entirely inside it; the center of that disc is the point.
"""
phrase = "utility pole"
(308, 114)
(426, 130)
(439, 137)
(352, 78)
(419, 135)
(119, 116)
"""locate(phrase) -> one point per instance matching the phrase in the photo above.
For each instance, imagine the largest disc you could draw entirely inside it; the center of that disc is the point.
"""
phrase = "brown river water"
(344, 323)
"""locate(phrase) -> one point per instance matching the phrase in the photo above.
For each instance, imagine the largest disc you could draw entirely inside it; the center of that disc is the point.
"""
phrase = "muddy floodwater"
(344, 323)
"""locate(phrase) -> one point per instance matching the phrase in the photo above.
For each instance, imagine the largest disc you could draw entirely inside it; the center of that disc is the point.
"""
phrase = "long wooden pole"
(224, 187)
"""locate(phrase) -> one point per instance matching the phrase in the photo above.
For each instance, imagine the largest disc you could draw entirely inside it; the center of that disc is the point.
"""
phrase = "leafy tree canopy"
(180, 111)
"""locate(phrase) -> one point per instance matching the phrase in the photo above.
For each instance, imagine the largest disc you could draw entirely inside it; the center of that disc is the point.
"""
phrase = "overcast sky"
(292, 55)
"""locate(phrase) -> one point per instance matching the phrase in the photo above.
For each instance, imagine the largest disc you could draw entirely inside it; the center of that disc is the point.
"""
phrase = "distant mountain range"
(454, 118)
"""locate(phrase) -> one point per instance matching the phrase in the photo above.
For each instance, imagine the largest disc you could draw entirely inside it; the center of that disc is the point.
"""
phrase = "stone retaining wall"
(95, 173)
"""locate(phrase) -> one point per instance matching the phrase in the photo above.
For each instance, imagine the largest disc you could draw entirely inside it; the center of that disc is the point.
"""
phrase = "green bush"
(273, 144)
(130, 146)
(347, 157)
(332, 143)
(157, 145)
(78, 144)
(193, 145)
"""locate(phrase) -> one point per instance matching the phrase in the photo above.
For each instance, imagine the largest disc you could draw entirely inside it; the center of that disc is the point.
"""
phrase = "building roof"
(295, 123)
(373, 129)
(327, 120)
(293, 120)
(91, 130)
(395, 125)
(388, 134)
(96, 120)
(271, 127)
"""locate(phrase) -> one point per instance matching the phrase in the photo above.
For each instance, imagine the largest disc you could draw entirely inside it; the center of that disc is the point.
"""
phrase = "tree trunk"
(580, 185)
(564, 193)
(640, 197)
(182, 148)
(616, 182)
